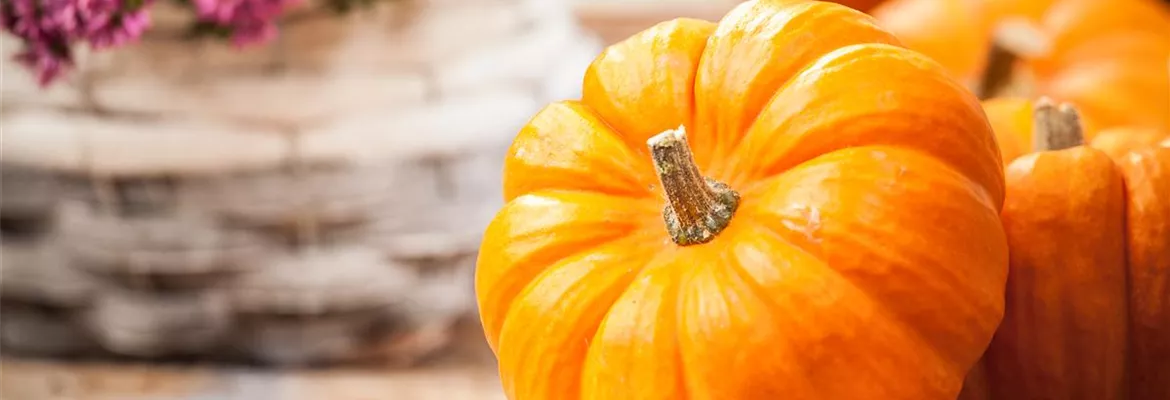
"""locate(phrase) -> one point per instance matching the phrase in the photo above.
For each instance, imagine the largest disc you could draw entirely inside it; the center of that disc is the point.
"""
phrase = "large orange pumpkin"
(1109, 58)
(1088, 299)
(785, 204)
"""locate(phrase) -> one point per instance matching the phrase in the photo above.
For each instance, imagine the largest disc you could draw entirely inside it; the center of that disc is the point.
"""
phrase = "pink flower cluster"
(50, 28)
(249, 21)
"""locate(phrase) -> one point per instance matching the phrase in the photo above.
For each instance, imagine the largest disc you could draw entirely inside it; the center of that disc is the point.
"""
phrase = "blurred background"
(269, 199)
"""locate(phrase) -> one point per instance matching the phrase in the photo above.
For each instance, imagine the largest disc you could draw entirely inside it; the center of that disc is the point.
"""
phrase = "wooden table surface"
(464, 372)
(51, 380)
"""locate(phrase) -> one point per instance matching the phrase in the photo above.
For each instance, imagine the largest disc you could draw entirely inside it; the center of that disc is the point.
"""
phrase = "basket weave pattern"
(316, 200)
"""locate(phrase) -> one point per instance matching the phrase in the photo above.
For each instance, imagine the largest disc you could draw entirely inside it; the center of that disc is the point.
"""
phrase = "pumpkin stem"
(1014, 38)
(1056, 127)
(697, 208)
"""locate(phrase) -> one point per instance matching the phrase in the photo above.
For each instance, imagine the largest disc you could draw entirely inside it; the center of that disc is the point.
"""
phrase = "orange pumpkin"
(863, 5)
(1147, 179)
(1088, 299)
(728, 213)
(956, 33)
(1011, 120)
(1109, 58)
(1119, 142)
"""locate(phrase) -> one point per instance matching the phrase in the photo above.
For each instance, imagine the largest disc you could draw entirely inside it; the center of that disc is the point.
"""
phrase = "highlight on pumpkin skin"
(585, 295)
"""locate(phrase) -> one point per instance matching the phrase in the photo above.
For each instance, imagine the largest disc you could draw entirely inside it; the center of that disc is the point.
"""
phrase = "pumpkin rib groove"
(789, 226)
(828, 269)
(652, 73)
(899, 320)
(676, 321)
(763, 181)
(761, 292)
(556, 291)
(773, 27)
(738, 142)
(623, 335)
(691, 296)
(812, 65)
(756, 288)
(594, 158)
(538, 259)
(784, 135)
(813, 339)
(983, 195)
(591, 245)
(531, 248)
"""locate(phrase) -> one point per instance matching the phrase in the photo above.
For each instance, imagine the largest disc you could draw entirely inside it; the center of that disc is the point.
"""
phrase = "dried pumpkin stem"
(997, 75)
(1014, 39)
(697, 208)
(1056, 127)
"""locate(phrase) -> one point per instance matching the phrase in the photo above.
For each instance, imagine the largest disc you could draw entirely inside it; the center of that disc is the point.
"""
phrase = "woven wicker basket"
(316, 200)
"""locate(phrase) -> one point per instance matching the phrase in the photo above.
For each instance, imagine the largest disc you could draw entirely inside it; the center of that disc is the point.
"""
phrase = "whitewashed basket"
(318, 199)
(616, 20)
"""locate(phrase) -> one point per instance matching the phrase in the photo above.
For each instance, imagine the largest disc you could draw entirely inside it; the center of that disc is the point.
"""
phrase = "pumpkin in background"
(1088, 298)
(1147, 179)
(1119, 142)
(1109, 58)
(861, 5)
(953, 32)
(728, 213)
(1011, 119)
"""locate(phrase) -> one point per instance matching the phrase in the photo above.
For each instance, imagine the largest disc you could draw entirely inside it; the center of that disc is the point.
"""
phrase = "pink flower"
(46, 63)
(128, 28)
(250, 21)
(49, 28)
(20, 17)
